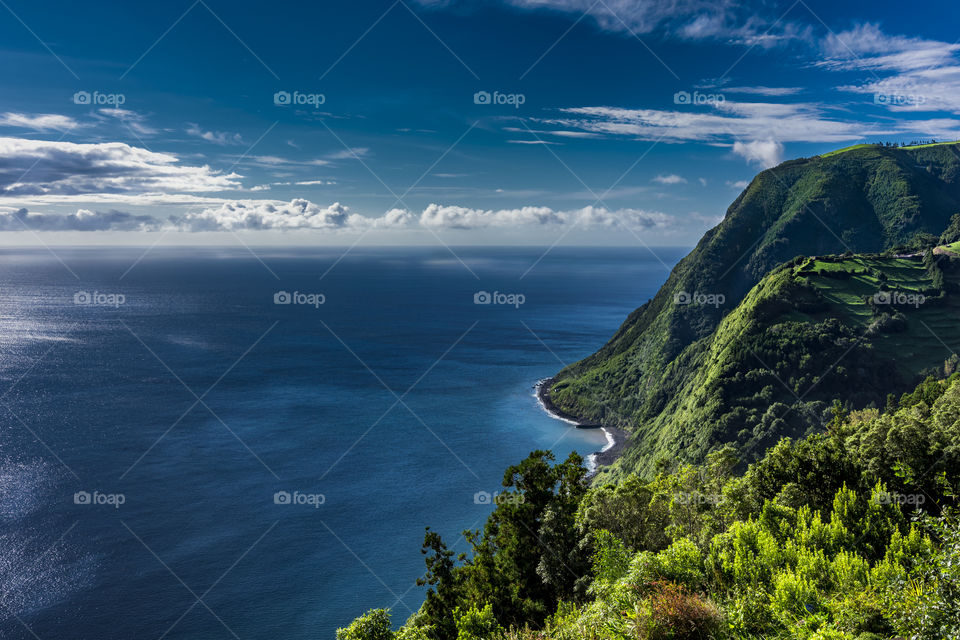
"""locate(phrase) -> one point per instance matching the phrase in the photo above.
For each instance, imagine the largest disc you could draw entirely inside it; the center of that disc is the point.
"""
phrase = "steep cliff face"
(865, 200)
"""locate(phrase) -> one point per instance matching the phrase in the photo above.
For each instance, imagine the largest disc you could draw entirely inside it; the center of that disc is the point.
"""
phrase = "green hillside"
(858, 327)
(719, 356)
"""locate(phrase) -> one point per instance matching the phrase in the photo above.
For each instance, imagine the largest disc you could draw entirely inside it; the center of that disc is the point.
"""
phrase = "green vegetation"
(868, 325)
(888, 145)
(845, 149)
(761, 349)
(851, 534)
(779, 482)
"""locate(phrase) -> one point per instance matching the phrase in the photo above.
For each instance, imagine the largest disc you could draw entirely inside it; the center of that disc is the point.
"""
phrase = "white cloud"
(323, 161)
(727, 20)
(920, 75)
(553, 132)
(304, 215)
(134, 120)
(763, 153)
(670, 179)
(452, 217)
(38, 122)
(82, 220)
(349, 154)
(45, 167)
(720, 122)
(216, 137)
(867, 47)
(296, 214)
(764, 91)
(531, 142)
(739, 184)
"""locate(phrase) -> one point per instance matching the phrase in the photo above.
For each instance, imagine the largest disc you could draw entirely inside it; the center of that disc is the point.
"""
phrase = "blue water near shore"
(197, 400)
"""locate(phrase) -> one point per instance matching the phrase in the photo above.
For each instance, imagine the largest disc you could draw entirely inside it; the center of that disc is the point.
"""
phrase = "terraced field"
(931, 329)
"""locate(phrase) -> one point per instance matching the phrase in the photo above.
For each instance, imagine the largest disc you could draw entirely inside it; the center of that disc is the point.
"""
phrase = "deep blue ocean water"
(145, 441)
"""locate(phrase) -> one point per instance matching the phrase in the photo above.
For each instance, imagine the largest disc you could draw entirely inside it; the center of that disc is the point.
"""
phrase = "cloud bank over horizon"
(304, 215)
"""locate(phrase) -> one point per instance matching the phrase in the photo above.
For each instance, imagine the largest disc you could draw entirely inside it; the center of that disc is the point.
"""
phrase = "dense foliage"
(848, 534)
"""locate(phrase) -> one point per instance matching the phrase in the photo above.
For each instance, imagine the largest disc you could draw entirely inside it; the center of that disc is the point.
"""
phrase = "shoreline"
(616, 437)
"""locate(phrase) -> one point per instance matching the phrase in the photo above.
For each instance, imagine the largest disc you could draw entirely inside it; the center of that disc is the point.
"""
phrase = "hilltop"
(748, 341)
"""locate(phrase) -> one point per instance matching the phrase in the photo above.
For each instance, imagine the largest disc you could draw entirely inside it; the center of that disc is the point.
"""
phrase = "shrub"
(477, 624)
(670, 612)
(373, 625)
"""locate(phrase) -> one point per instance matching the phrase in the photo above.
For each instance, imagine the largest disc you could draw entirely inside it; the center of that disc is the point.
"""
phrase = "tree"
(525, 559)
(445, 592)
(373, 625)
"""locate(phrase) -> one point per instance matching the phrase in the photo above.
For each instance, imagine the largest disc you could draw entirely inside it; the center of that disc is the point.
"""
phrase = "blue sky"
(413, 121)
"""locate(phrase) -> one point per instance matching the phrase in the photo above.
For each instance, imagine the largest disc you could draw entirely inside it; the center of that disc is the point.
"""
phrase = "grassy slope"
(870, 198)
(868, 145)
(777, 360)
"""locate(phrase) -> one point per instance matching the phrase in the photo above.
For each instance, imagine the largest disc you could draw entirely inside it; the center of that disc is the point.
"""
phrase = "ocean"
(217, 443)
